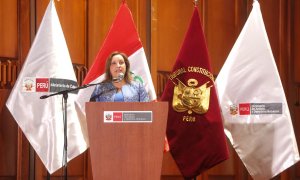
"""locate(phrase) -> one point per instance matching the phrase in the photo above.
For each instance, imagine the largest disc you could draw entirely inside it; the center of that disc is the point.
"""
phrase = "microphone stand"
(65, 100)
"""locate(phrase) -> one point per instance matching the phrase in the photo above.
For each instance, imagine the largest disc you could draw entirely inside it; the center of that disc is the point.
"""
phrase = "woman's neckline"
(119, 85)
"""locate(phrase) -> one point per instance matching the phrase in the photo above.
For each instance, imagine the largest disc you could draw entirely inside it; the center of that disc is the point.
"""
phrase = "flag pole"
(65, 102)
(65, 153)
(48, 175)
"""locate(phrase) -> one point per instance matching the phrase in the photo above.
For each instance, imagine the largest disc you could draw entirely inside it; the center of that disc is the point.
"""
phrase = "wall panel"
(101, 14)
(271, 14)
(296, 40)
(9, 28)
(139, 13)
(221, 29)
(72, 16)
(170, 21)
(8, 140)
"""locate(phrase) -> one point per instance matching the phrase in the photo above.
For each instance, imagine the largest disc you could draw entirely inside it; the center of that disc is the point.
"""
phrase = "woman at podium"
(119, 85)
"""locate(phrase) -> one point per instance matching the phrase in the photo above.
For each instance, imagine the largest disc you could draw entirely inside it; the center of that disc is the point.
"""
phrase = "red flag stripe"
(118, 39)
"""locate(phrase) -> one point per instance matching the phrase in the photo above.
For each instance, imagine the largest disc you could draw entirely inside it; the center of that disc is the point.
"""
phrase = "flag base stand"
(65, 151)
(65, 120)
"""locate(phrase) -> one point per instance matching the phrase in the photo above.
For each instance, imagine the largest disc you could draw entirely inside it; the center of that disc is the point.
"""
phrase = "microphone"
(44, 97)
(119, 78)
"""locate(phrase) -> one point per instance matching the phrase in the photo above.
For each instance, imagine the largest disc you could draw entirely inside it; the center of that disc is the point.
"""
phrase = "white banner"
(255, 111)
(48, 69)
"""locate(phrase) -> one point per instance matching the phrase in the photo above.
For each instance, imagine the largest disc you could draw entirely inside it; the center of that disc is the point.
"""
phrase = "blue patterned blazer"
(133, 92)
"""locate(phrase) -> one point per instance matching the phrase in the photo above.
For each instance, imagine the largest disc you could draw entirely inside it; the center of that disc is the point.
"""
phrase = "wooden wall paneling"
(271, 15)
(100, 18)
(23, 156)
(8, 141)
(23, 49)
(9, 69)
(283, 41)
(169, 22)
(221, 30)
(169, 168)
(72, 17)
(73, 20)
(101, 14)
(9, 28)
(296, 40)
(77, 169)
(15, 43)
(153, 44)
(139, 13)
(24, 41)
(296, 122)
(224, 170)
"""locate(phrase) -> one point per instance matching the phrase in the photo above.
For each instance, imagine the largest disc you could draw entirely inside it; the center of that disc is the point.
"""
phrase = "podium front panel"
(126, 150)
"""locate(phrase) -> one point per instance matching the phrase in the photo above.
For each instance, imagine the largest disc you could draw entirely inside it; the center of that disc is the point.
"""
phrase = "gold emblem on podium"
(190, 97)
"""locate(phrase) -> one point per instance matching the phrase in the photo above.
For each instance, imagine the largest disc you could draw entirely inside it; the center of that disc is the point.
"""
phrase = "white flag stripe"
(139, 65)
(84, 96)
(42, 120)
(248, 84)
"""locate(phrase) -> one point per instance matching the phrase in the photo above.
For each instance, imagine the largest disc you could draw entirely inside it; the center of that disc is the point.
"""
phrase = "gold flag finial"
(195, 3)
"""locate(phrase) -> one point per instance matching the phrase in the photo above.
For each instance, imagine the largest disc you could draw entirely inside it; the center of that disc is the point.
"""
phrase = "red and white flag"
(122, 37)
(256, 114)
(48, 69)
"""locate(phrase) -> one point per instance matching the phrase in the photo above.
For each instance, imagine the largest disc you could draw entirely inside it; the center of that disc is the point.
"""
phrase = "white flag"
(255, 111)
(48, 69)
(122, 37)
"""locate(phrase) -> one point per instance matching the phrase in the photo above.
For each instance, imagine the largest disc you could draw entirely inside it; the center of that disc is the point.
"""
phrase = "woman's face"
(117, 66)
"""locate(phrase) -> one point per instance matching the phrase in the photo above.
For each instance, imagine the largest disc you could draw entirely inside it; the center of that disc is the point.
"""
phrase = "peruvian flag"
(122, 37)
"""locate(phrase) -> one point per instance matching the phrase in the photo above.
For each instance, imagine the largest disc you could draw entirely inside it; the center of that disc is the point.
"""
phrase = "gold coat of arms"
(190, 97)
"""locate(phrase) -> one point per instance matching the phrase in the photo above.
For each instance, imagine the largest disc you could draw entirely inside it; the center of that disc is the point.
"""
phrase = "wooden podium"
(126, 149)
